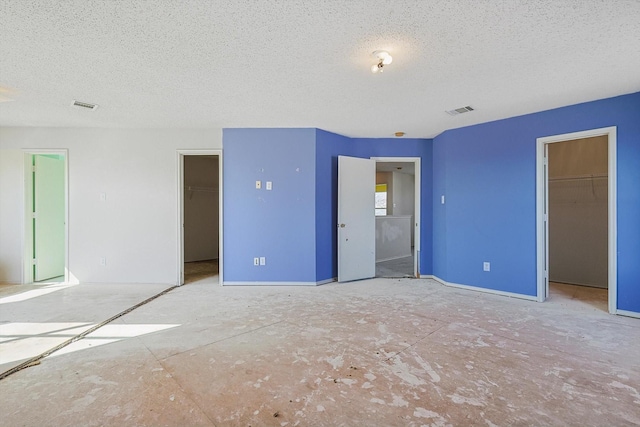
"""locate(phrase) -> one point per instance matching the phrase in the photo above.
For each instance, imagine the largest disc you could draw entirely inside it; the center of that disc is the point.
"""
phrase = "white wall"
(135, 229)
(403, 194)
(393, 237)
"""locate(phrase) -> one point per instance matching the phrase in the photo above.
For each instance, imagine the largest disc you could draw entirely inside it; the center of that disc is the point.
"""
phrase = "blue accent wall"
(439, 210)
(487, 173)
(295, 225)
(277, 224)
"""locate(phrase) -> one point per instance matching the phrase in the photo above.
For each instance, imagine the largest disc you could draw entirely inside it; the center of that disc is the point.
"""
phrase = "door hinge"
(33, 168)
(33, 261)
(33, 215)
(544, 160)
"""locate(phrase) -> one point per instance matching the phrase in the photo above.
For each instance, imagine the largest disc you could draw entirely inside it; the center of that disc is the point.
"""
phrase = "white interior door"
(49, 209)
(356, 219)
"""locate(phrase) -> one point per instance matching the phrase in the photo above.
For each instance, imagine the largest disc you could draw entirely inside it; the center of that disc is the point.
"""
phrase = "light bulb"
(388, 59)
(374, 68)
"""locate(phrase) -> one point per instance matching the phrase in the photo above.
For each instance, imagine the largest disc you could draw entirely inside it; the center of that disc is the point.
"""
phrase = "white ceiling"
(305, 63)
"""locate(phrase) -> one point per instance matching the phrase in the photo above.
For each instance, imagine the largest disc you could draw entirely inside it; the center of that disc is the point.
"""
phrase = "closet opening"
(576, 218)
(200, 218)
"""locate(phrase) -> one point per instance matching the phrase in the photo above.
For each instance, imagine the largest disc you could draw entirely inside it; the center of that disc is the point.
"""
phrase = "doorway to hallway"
(364, 239)
(395, 214)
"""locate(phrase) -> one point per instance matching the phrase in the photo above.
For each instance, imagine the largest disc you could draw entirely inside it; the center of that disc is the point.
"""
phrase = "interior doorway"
(577, 218)
(200, 204)
(397, 217)
(45, 217)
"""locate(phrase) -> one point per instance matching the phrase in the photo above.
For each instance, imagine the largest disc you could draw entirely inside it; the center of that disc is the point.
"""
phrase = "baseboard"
(628, 313)
(485, 290)
(271, 283)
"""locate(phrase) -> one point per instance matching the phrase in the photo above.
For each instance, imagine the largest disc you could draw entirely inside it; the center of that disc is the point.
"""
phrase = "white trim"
(628, 313)
(276, 283)
(541, 198)
(485, 290)
(180, 206)
(416, 202)
(27, 237)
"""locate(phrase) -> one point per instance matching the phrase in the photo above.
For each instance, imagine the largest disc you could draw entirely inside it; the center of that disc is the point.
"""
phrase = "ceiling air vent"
(84, 105)
(459, 111)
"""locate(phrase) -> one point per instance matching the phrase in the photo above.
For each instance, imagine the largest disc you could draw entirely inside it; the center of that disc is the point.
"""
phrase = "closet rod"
(201, 189)
(579, 177)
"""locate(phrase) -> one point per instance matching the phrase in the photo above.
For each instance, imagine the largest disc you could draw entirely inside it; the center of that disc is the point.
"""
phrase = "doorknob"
(342, 225)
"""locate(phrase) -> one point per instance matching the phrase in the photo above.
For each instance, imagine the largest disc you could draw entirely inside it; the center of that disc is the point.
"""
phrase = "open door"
(48, 216)
(356, 219)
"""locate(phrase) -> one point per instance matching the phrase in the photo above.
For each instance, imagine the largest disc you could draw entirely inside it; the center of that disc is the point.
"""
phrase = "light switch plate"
(258, 185)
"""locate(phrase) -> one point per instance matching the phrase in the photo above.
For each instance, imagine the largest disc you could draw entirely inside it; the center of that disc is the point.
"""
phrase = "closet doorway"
(579, 217)
(200, 217)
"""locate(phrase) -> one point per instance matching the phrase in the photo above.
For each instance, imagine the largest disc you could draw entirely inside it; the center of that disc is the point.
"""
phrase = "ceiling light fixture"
(383, 58)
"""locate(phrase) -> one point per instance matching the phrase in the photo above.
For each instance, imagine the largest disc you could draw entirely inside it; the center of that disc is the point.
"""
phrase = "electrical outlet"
(486, 266)
(269, 185)
(256, 261)
(258, 185)
(263, 260)
(103, 261)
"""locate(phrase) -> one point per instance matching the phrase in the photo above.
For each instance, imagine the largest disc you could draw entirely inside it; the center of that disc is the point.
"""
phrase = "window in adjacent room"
(381, 199)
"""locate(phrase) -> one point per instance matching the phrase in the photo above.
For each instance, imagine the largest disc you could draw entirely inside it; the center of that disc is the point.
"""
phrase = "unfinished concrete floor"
(381, 352)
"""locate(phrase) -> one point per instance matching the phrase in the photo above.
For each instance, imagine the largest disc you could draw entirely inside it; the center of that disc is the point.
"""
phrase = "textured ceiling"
(305, 63)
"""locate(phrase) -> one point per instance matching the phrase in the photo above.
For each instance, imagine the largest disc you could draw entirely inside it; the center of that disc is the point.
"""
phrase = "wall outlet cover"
(486, 266)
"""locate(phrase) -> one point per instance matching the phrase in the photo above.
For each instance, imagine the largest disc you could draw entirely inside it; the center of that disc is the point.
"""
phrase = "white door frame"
(417, 202)
(27, 235)
(542, 199)
(180, 203)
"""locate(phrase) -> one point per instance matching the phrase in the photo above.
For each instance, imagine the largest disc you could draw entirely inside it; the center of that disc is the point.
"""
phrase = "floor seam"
(410, 346)
(222, 339)
(175, 380)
